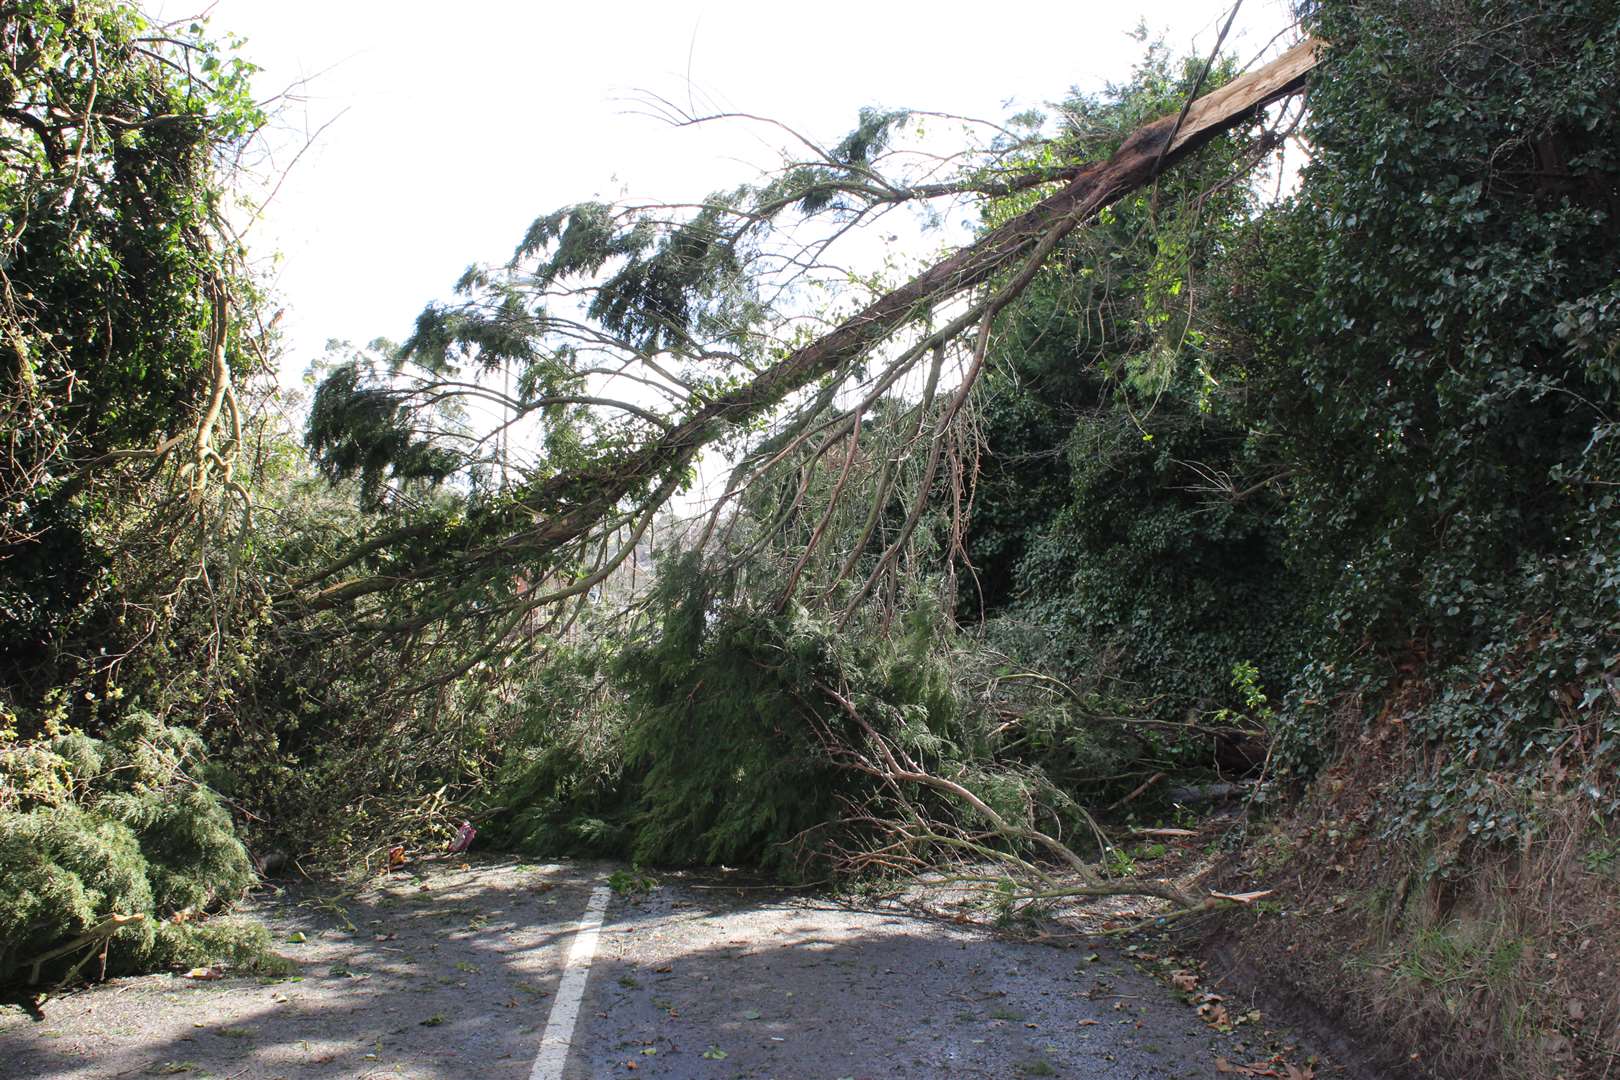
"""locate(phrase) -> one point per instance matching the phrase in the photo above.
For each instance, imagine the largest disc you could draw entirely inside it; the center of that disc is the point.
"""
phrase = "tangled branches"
(701, 308)
(895, 829)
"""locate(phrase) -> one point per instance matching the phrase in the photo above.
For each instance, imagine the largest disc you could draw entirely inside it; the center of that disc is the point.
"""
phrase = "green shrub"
(726, 701)
(559, 788)
(63, 870)
(238, 943)
(692, 745)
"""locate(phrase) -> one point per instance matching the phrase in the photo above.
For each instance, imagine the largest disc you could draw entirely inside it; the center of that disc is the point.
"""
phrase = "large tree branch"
(568, 506)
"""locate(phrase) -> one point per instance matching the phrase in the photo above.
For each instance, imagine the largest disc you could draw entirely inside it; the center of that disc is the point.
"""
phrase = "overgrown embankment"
(1385, 473)
(1460, 955)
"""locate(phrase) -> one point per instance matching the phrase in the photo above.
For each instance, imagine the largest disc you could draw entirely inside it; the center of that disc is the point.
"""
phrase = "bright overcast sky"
(460, 123)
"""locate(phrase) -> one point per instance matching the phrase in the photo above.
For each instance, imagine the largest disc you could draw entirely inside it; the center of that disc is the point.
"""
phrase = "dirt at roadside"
(1501, 967)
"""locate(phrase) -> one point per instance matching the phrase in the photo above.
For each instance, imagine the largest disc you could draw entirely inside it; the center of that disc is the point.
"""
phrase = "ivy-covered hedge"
(1427, 338)
(1375, 453)
(1119, 508)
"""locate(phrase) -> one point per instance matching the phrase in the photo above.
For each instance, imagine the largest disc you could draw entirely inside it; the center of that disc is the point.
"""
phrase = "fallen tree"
(696, 306)
(674, 298)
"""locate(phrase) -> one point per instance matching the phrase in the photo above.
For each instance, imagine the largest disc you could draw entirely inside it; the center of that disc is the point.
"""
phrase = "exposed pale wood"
(101, 932)
(1279, 78)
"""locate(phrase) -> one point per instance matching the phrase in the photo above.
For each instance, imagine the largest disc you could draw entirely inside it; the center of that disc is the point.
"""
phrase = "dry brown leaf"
(204, 973)
(1243, 897)
(1184, 980)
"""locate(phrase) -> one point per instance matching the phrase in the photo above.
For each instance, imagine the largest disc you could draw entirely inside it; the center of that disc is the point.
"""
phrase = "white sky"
(460, 123)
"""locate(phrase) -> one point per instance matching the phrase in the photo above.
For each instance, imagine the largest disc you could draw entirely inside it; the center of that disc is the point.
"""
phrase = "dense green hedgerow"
(1118, 507)
(1426, 334)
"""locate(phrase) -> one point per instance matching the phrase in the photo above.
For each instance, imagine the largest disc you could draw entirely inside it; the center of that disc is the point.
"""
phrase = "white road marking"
(559, 1033)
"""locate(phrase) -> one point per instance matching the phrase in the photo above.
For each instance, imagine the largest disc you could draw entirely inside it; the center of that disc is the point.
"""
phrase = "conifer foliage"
(96, 830)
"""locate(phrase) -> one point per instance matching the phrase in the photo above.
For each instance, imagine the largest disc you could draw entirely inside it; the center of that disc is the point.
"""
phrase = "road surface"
(507, 971)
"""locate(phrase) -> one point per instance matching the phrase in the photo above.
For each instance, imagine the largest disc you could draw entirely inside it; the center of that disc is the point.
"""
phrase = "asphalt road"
(457, 971)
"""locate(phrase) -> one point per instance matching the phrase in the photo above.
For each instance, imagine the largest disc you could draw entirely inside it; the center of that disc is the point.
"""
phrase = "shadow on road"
(454, 981)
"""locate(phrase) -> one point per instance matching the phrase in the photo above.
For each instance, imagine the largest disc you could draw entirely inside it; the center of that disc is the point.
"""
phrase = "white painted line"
(559, 1033)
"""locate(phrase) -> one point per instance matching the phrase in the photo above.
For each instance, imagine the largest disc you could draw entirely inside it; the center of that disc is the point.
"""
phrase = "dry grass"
(1473, 962)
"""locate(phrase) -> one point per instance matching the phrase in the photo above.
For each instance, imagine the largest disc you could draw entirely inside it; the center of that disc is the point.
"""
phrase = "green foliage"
(818, 188)
(1153, 584)
(1250, 466)
(695, 745)
(91, 828)
(1253, 705)
(727, 705)
(1424, 338)
(117, 142)
(560, 788)
(1118, 508)
(359, 427)
(108, 195)
(1376, 462)
(721, 733)
(130, 602)
(1404, 310)
(1384, 442)
(239, 944)
(631, 882)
